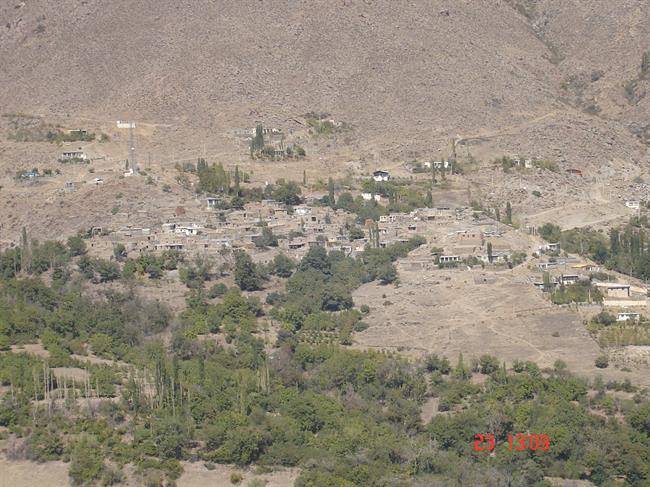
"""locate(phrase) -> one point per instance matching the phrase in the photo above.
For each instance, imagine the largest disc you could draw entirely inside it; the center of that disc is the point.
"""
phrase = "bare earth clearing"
(454, 311)
(23, 473)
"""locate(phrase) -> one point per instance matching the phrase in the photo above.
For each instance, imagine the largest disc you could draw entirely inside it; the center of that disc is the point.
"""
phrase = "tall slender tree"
(237, 177)
(330, 192)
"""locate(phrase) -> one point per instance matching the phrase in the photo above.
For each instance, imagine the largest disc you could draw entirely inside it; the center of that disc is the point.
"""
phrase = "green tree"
(287, 192)
(488, 364)
(237, 189)
(508, 213)
(316, 258)
(489, 252)
(387, 274)
(266, 239)
(25, 252)
(85, 461)
(76, 245)
(283, 266)
(170, 435)
(546, 278)
(461, 371)
(330, 193)
(213, 179)
(246, 273)
(356, 233)
(257, 143)
(107, 270)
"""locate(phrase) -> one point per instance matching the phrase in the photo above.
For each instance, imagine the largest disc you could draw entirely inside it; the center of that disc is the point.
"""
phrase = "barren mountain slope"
(411, 74)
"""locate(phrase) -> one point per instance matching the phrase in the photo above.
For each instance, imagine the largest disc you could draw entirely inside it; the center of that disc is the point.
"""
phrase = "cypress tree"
(237, 189)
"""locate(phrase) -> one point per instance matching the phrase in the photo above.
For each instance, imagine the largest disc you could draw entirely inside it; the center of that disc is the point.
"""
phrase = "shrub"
(433, 363)
(360, 326)
(85, 461)
(76, 245)
(604, 318)
(602, 362)
(217, 290)
(488, 364)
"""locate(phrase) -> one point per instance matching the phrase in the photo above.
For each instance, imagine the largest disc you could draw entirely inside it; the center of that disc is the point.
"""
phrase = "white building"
(371, 196)
(74, 154)
(627, 316)
(381, 176)
(188, 230)
(438, 164)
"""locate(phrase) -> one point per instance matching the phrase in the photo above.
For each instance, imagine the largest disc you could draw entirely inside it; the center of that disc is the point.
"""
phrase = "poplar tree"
(237, 189)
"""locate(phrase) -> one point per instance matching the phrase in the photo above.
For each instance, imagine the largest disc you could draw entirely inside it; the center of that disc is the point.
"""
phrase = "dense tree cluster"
(221, 389)
(625, 249)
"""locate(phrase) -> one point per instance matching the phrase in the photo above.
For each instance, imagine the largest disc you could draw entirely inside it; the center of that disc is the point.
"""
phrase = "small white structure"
(212, 202)
(74, 154)
(97, 181)
(628, 316)
(549, 247)
(371, 196)
(568, 279)
(381, 176)
(633, 204)
(301, 210)
(438, 164)
(128, 172)
(446, 259)
(188, 230)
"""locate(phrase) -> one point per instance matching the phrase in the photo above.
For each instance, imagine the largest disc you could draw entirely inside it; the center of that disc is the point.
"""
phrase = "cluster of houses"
(616, 295)
(297, 229)
(304, 226)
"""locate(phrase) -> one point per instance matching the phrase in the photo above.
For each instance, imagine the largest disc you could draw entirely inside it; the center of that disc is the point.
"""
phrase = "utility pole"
(132, 159)
(130, 148)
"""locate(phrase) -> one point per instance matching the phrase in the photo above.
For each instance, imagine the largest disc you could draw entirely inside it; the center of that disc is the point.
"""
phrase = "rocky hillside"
(548, 78)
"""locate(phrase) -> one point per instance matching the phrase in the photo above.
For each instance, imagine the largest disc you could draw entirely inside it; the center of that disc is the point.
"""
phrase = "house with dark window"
(381, 176)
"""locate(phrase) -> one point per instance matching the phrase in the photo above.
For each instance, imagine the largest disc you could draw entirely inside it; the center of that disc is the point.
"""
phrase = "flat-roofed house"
(614, 289)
